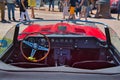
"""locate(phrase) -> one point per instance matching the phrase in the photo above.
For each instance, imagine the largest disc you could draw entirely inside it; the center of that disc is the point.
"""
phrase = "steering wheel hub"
(35, 45)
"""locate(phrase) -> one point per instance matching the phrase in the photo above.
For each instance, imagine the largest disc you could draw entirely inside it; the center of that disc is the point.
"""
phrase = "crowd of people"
(80, 8)
(84, 8)
(21, 4)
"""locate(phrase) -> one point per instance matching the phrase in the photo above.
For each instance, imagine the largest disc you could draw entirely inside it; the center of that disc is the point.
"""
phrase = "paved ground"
(45, 14)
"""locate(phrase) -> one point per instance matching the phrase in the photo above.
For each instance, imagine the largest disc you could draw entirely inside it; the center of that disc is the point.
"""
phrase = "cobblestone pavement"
(45, 14)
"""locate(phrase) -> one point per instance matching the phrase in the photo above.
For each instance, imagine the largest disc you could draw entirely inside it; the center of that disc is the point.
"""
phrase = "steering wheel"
(37, 49)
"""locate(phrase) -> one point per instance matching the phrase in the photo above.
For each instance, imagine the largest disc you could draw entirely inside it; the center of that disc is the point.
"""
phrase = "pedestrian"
(51, 2)
(23, 10)
(78, 9)
(84, 6)
(11, 8)
(2, 9)
(89, 8)
(72, 9)
(92, 6)
(32, 4)
(65, 9)
(118, 10)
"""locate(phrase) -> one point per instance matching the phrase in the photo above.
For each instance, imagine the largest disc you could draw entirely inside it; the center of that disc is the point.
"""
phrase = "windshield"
(66, 27)
(7, 40)
(115, 40)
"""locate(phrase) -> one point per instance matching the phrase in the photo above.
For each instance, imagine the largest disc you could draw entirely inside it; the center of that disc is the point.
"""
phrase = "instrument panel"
(70, 42)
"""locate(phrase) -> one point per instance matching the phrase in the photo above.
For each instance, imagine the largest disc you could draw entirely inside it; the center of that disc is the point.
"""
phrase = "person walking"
(51, 2)
(72, 9)
(78, 9)
(23, 10)
(84, 6)
(11, 7)
(2, 9)
(89, 8)
(65, 9)
(118, 10)
(32, 4)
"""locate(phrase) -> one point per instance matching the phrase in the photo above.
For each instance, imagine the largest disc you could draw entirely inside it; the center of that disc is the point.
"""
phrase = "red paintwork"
(70, 28)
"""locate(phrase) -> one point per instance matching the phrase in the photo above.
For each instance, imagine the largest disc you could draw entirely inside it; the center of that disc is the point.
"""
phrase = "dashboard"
(67, 41)
(64, 50)
(63, 47)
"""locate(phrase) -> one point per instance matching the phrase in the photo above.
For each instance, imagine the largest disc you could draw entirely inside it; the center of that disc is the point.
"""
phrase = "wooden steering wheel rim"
(21, 44)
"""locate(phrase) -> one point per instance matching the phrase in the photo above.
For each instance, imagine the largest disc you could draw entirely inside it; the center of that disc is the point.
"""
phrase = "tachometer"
(42, 41)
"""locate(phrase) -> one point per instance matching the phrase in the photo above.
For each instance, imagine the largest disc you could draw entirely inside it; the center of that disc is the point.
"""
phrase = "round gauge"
(31, 40)
(70, 40)
(52, 40)
(41, 41)
(61, 40)
(66, 40)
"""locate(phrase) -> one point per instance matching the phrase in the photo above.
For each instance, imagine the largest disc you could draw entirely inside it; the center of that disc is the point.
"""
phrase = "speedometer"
(31, 40)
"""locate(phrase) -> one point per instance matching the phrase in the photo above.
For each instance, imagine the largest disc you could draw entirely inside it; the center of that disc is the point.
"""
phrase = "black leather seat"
(93, 64)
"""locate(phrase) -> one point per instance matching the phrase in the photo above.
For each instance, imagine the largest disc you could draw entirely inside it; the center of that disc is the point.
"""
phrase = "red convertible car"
(60, 50)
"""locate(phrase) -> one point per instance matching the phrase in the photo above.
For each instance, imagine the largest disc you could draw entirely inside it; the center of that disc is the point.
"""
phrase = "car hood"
(64, 29)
